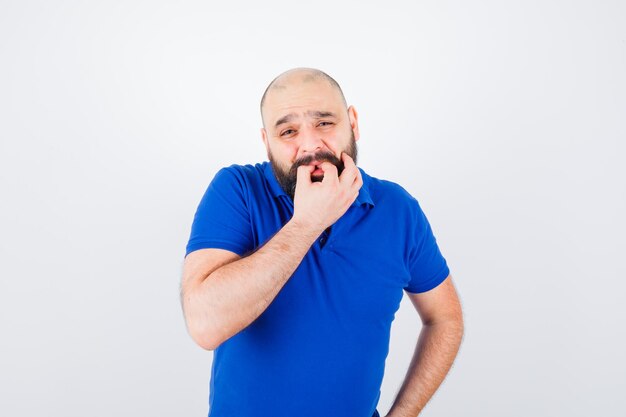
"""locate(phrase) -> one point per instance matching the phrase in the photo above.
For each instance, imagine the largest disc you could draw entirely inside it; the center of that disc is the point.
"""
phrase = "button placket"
(324, 238)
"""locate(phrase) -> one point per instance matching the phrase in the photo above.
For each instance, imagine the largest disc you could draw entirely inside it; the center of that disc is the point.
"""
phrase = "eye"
(322, 123)
(287, 132)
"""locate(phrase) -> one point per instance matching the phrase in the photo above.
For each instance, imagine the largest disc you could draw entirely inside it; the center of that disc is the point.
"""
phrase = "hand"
(319, 204)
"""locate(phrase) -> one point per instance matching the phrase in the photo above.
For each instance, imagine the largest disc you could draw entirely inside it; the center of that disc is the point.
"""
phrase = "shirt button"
(322, 240)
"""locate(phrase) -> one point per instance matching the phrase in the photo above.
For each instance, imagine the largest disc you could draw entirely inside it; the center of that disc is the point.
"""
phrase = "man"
(295, 268)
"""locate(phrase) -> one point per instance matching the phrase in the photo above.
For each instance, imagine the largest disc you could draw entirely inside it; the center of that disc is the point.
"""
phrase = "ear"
(264, 138)
(354, 122)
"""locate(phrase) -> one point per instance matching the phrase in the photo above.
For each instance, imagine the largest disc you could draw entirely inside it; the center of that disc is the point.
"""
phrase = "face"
(307, 123)
(287, 179)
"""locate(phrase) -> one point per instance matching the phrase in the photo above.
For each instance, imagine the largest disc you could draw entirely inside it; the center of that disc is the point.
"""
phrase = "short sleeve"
(222, 218)
(426, 265)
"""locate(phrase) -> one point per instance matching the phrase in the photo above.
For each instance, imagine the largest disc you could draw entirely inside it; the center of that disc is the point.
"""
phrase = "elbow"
(206, 340)
(458, 325)
(200, 328)
(457, 322)
(205, 337)
(459, 328)
(207, 345)
(453, 325)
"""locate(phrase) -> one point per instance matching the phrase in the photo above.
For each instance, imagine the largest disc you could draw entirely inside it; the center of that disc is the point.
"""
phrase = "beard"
(288, 179)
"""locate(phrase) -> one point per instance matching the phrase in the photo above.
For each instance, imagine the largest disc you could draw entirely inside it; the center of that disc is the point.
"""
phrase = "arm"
(221, 303)
(222, 293)
(437, 346)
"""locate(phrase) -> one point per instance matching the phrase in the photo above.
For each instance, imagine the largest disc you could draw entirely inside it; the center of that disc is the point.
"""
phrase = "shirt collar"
(363, 197)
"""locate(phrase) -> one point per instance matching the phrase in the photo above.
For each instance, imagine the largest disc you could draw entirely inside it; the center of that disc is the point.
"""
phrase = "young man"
(295, 268)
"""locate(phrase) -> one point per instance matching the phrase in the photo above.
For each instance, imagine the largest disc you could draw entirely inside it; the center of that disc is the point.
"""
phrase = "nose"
(311, 142)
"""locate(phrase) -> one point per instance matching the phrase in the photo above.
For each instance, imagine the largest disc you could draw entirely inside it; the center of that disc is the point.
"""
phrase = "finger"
(346, 158)
(350, 171)
(330, 172)
(304, 174)
(358, 178)
(356, 185)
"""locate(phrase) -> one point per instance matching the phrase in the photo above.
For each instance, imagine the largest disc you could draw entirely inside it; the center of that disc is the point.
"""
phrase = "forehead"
(301, 98)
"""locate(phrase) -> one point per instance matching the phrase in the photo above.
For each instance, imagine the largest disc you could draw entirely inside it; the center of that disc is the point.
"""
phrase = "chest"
(353, 273)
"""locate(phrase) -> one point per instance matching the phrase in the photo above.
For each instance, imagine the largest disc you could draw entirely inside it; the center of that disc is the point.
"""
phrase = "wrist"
(305, 227)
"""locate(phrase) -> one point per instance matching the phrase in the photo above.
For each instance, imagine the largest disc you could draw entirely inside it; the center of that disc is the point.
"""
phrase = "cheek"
(333, 146)
(286, 153)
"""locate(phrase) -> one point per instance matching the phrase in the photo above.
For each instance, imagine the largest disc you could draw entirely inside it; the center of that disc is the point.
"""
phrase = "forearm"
(436, 348)
(235, 294)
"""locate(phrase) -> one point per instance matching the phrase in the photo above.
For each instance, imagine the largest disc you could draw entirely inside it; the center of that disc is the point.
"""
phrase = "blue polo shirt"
(319, 348)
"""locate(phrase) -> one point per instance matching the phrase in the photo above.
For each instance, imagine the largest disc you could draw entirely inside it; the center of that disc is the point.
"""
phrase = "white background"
(505, 119)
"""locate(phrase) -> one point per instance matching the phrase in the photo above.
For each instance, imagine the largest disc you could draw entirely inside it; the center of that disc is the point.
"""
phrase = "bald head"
(299, 75)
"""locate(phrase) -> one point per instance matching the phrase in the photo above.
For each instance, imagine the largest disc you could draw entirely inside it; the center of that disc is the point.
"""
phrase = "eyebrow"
(314, 114)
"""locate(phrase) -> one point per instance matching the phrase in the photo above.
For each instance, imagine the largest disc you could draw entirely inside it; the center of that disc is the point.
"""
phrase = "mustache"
(322, 156)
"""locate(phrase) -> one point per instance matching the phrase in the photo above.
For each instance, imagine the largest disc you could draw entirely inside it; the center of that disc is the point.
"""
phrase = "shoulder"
(388, 192)
(243, 175)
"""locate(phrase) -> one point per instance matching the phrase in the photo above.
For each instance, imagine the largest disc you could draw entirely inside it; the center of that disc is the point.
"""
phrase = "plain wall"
(505, 119)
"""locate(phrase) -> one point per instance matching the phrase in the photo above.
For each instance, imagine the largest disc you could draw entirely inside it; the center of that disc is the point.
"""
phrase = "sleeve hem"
(430, 284)
(215, 244)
